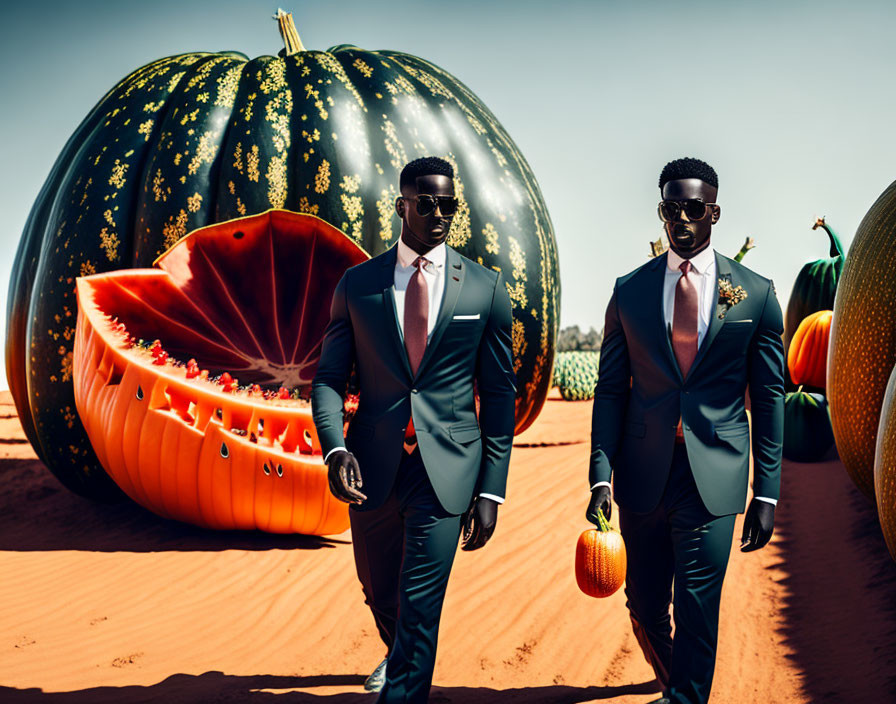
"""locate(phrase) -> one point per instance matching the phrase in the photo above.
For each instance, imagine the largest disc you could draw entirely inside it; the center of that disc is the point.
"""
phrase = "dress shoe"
(377, 678)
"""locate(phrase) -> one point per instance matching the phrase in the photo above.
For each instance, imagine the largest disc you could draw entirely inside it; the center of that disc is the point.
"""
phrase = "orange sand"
(112, 604)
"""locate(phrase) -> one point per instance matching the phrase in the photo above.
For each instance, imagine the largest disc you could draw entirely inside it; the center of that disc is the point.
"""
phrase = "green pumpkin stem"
(602, 524)
(747, 246)
(836, 247)
(289, 32)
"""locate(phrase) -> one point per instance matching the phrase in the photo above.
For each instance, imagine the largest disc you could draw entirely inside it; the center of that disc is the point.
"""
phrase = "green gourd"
(815, 285)
(807, 426)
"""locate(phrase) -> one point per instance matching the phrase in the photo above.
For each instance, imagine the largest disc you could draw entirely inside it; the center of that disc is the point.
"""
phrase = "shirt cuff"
(766, 499)
(331, 452)
(497, 499)
(600, 484)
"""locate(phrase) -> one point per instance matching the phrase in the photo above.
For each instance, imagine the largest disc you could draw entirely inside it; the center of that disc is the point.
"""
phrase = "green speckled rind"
(862, 348)
(199, 138)
(885, 466)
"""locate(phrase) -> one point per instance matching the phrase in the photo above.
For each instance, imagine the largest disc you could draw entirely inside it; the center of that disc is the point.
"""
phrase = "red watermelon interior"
(250, 297)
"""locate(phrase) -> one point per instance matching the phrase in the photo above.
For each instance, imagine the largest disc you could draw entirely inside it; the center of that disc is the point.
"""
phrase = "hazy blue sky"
(792, 102)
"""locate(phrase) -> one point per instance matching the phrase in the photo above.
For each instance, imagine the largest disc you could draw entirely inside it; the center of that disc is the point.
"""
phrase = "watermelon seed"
(225, 453)
(267, 470)
(139, 394)
(238, 235)
(279, 470)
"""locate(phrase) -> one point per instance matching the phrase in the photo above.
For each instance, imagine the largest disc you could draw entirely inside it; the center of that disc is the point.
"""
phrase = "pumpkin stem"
(747, 246)
(657, 248)
(602, 525)
(836, 247)
(288, 32)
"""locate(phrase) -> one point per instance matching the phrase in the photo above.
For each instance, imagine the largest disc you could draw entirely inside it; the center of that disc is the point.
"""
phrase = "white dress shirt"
(703, 273)
(434, 274)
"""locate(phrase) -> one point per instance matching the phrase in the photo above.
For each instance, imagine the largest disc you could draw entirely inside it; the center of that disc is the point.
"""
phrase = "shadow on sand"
(38, 513)
(216, 687)
(840, 589)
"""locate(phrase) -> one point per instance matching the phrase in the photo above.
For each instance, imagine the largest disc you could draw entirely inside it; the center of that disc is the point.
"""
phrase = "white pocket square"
(736, 322)
(466, 317)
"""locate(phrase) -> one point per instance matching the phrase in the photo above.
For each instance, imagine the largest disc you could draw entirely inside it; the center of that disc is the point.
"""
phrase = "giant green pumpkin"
(194, 139)
(862, 346)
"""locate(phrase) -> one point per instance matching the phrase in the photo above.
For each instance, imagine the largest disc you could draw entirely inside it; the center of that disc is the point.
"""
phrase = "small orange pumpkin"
(807, 358)
(600, 560)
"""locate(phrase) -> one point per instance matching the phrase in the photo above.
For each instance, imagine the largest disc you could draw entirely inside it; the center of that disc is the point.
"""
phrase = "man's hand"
(759, 524)
(479, 523)
(344, 476)
(600, 501)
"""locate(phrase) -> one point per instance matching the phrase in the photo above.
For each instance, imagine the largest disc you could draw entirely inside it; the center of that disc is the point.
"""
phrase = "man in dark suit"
(425, 329)
(685, 335)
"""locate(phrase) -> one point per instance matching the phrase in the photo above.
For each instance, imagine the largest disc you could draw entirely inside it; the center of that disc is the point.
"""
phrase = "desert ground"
(109, 603)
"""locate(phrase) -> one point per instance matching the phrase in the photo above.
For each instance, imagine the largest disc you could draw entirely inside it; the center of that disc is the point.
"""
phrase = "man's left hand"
(759, 524)
(479, 523)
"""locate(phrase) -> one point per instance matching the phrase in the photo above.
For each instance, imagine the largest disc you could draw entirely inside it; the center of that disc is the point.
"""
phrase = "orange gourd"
(807, 358)
(247, 299)
(600, 560)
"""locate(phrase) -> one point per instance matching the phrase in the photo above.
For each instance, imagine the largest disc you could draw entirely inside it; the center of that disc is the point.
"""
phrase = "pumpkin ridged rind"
(600, 562)
(862, 348)
(808, 354)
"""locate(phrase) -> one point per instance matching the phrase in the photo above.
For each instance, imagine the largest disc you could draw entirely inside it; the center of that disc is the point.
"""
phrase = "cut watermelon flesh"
(250, 296)
(182, 439)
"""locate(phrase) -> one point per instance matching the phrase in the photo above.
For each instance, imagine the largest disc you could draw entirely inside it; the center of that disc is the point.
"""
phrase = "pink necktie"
(416, 315)
(684, 327)
(684, 320)
(416, 323)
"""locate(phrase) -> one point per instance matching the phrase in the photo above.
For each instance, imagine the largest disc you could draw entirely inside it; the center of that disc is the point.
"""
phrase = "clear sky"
(792, 103)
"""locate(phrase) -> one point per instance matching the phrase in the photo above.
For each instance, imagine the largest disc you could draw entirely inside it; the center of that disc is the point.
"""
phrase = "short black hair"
(688, 167)
(424, 166)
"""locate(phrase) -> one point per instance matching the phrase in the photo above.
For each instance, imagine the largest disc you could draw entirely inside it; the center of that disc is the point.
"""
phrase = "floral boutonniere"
(729, 295)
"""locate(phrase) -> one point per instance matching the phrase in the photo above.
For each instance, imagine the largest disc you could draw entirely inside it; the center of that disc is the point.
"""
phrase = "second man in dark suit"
(685, 335)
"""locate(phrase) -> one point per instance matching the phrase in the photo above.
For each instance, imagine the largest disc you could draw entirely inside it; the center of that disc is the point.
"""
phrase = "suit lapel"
(723, 271)
(454, 280)
(659, 315)
(390, 313)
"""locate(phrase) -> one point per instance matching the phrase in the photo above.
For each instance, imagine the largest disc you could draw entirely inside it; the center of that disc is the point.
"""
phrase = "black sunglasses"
(426, 204)
(694, 208)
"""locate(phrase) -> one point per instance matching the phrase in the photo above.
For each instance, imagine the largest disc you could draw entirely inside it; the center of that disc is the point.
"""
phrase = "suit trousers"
(679, 544)
(404, 550)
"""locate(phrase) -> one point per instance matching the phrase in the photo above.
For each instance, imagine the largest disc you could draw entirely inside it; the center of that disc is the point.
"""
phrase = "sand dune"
(112, 604)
